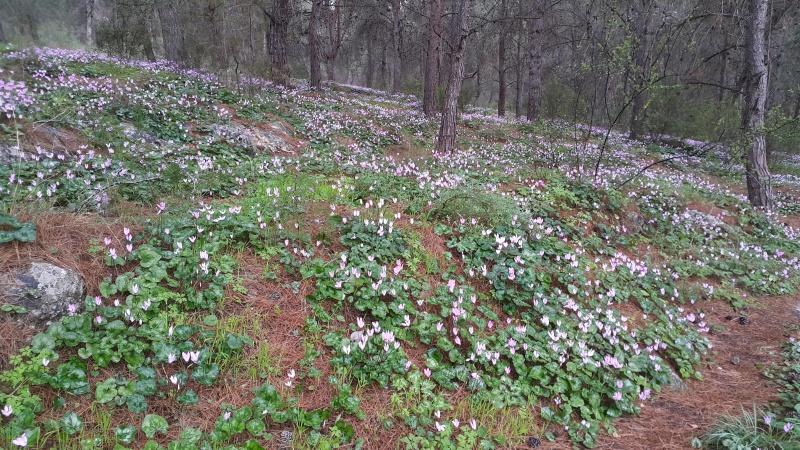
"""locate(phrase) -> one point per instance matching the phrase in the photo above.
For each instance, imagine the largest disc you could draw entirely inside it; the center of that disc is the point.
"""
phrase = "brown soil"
(673, 417)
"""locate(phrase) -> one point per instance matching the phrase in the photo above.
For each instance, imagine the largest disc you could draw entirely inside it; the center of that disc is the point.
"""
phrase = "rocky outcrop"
(45, 291)
(255, 139)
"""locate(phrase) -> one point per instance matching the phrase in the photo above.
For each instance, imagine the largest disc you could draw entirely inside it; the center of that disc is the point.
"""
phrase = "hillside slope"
(269, 267)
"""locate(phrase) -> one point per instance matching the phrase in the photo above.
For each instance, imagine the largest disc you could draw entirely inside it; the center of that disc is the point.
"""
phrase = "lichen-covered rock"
(706, 220)
(254, 138)
(140, 136)
(10, 153)
(46, 291)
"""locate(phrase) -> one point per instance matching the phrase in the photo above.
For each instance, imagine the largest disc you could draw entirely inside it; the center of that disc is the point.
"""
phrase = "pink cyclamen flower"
(617, 396)
(788, 427)
(21, 441)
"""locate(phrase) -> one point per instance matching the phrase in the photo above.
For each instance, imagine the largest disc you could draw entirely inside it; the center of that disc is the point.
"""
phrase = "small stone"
(275, 296)
(735, 361)
(534, 442)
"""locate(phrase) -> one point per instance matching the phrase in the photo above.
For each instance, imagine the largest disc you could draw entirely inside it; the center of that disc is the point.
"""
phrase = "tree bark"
(447, 131)
(146, 36)
(641, 67)
(2, 34)
(432, 60)
(519, 81)
(370, 61)
(501, 62)
(759, 186)
(171, 31)
(397, 72)
(334, 29)
(724, 67)
(535, 64)
(90, 21)
(313, 45)
(277, 40)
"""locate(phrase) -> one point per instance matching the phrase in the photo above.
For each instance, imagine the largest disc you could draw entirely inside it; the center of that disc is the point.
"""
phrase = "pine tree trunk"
(535, 65)
(447, 131)
(397, 70)
(370, 61)
(641, 68)
(759, 186)
(432, 60)
(2, 34)
(334, 39)
(147, 37)
(519, 80)
(314, 46)
(501, 63)
(277, 40)
(89, 22)
(724, 68)
(171, 31)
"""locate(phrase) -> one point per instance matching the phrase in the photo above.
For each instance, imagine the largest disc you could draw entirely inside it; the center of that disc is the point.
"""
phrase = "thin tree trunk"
(641, 68)
(2, 34)
(432, 60)
(370, 61)
(759, 186)
(518, 84)
(501, 63)
(171, 31)
(397, 72)
(724, 69)
(90, 21)
(447, 131)
(313, 45)
(535, 64)
(383, 77)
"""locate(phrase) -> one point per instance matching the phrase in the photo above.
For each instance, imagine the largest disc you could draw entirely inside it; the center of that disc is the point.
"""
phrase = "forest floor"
(273, 267)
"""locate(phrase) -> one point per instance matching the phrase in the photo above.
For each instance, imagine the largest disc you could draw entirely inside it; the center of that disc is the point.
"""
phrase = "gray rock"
(676, 382)
(635, 222)
(45, 290)
(54, 139)
(254, 138)
(705, 220)
(140, 136)
(10, 153)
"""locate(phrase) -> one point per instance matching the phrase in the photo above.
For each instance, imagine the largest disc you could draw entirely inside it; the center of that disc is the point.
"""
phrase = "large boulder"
(46, 291)
(254, 139)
